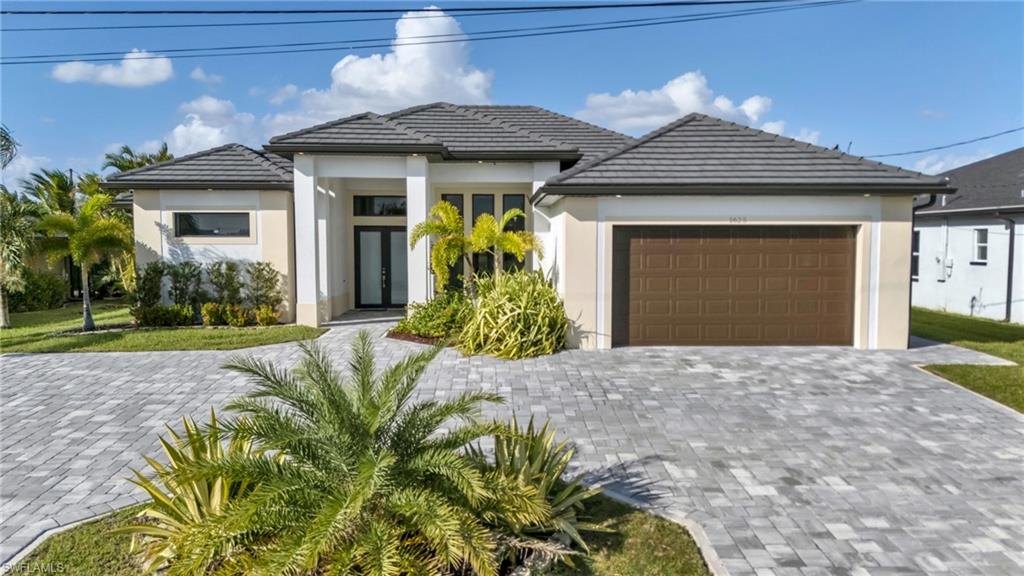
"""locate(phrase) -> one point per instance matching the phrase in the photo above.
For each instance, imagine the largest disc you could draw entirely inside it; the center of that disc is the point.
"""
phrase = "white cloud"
(200, 75)
(775, 126)
(938, 163)
(642, 110)
(284, 94)
(19, 168)
(405, 76)
(209, 122)
(136, 69)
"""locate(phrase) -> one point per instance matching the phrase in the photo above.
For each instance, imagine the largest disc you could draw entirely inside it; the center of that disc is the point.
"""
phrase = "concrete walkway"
(790, 461)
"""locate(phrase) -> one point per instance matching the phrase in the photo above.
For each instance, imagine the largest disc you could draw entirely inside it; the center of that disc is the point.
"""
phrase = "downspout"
(1012, 225)
(932, 198)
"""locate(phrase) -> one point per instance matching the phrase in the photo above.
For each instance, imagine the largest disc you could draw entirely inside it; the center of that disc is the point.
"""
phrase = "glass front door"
(381, 271)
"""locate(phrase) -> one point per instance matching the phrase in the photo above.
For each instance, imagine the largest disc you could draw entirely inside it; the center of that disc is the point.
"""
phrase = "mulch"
(414, 338)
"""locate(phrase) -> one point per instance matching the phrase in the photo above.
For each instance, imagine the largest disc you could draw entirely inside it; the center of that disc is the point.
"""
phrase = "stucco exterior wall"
(584, 226)
(949, 278)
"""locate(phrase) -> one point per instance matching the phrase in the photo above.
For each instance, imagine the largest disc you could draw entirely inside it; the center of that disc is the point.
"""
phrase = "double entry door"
(381, 270)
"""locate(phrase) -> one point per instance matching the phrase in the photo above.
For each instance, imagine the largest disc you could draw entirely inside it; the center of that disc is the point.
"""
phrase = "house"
(702, 232)
(967, 256)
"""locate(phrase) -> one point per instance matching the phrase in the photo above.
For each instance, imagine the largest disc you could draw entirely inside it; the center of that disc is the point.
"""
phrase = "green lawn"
(1003, 384)
(41, 332)
(640, 544)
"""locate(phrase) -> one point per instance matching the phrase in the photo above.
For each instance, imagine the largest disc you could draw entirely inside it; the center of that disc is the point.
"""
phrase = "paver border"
(991, 401)
(27, 549)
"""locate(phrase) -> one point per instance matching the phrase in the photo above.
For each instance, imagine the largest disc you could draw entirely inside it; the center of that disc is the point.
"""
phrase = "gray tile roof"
(365, 132)
(592, 141)
(997, 182)
(701, 153)
(227, 166)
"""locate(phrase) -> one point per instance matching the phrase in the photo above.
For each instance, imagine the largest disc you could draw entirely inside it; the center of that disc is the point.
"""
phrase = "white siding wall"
(947, 279)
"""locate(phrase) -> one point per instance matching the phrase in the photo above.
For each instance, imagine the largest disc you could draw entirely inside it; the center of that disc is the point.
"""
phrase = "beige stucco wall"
(278, 245)
(883, 227)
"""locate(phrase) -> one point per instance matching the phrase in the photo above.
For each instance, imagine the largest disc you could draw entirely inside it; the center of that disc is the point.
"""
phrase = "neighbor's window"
(483, 204)
(915, 254)
(379, 205)
(217, 224)
(981, 245)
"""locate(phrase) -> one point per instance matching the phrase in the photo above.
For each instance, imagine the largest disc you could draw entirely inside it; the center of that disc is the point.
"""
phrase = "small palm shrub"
(517, 315)
(352, 476)
(180, 502)
(264, 288)
(442, 317)
(226, 279)
(265, 315)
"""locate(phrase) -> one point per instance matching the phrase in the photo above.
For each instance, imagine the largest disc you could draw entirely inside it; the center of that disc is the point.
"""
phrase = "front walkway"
(796, 461)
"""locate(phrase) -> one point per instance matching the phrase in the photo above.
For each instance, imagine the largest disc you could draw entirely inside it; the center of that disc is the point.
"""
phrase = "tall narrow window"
(915, 255)
(483, 204)
(980, 246)
(508, 202)
(456, 271)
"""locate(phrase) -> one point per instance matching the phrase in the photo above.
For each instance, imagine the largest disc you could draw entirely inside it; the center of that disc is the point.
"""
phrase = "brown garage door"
(732, 285)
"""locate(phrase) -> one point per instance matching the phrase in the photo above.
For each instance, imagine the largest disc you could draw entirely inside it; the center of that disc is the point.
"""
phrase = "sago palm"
(87, 235)
(364, 481)
(18, 218)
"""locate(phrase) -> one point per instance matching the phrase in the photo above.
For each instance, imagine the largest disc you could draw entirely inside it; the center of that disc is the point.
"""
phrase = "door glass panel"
(370, 264)
(398, 282)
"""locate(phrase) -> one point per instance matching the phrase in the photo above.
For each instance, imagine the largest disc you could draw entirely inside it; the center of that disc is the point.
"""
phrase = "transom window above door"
(379, 205)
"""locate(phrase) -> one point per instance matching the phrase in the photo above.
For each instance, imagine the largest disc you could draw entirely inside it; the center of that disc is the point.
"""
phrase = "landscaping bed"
(1004, 384)
(637, 543)
(58, 330)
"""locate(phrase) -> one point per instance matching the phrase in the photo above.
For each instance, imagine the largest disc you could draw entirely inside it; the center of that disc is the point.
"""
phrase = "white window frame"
(978, 245)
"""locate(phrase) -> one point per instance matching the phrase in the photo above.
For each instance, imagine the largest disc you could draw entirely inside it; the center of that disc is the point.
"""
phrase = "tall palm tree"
(488, 236)
(352, 476)
(8, 146)
(87, 234)
(127, 159)
(54, 190)
(17, 234)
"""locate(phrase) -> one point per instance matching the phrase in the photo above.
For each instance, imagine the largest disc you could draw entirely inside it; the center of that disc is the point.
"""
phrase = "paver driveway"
(790, 460)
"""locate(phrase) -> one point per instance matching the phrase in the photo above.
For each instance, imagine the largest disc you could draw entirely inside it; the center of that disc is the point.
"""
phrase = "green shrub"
(442, 317)
(265, 315)
(179, 503)
(186, 283)
(149, 284)
(213, 314)
(237, 315)
(517, 315)
(226, 280)
(42, 290)
(264, 287)
(173, 315)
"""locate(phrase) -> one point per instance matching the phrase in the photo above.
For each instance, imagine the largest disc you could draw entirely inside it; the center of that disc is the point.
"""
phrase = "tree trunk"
(470, 279)
(5, 316)
(87, 324)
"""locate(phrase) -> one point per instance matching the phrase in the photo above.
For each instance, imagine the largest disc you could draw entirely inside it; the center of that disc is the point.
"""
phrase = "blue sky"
(886, 76)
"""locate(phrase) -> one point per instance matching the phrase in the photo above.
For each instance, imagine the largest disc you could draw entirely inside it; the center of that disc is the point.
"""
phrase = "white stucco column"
(417, 201)
(545, 228)
(307, 261)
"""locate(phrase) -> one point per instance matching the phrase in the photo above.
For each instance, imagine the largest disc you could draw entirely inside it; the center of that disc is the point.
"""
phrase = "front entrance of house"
(381, 254)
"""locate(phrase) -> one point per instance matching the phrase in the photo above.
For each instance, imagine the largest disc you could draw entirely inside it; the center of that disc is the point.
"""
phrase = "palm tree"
(17, 234)
(351, 476)
(87, 235)
(489, 236)
(54, 190)
(8, 146)
(127, 159)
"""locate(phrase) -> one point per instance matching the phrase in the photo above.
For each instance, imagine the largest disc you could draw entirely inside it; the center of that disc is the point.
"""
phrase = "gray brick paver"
(795, 461)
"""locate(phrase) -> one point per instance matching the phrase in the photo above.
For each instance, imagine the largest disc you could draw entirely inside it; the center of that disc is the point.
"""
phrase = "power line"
(945, 146)
(537, 32)
(464, 9)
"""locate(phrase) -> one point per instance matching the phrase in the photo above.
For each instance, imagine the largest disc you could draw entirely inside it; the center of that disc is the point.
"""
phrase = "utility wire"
(945, 146)
(464, 9)
(538, 31)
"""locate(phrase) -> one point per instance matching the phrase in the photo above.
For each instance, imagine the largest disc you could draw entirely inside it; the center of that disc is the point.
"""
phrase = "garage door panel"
(714, 285)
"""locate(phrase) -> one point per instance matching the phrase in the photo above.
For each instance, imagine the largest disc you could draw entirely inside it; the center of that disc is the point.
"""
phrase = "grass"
(1004, 384)
(641, 544)
(45, 331)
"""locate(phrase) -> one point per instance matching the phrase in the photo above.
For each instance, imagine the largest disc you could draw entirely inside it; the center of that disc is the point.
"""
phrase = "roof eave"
(517, 156)
(968, 211)
(404, 149)
(173, 185)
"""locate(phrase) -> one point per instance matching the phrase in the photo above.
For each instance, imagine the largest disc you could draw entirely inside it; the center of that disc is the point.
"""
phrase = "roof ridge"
(999, 156)
(267, 162)
(175, 160)
(652, 135)
(319, 126)
(465, 111)
(578, 121)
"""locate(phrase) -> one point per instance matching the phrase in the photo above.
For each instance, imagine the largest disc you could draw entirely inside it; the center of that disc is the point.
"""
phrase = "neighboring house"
(702, 232)
(967, 247)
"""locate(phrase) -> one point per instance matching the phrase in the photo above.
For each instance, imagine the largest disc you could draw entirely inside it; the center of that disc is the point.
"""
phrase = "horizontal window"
(379, 206)
(218, 224)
